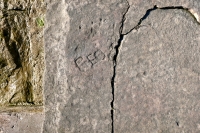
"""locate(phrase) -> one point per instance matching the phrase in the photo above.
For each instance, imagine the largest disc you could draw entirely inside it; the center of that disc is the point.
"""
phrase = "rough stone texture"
(157, 78)
(139, 7)
(80, 39)
(122, 66)
(21, 66)
(21, 52)
(21, 122)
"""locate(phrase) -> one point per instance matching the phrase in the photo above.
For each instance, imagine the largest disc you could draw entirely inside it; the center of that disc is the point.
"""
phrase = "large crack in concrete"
(121, 37)
(162, 8)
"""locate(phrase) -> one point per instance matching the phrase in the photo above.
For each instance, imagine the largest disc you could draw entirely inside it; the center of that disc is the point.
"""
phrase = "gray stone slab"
(80, 37)
(139, 7)
(157, 75)
(122, 66)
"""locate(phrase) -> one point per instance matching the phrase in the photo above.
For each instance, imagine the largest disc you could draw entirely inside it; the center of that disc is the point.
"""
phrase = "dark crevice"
(173, 7)
(143, 18)
(121, 37)
(17, 9)
(182, 8)
(11, 45)
(5, 2)
(155, 8)
(147, 14)
(29, 93)
(177, 123)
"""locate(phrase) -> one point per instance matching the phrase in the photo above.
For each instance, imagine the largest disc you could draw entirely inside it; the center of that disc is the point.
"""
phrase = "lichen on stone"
(40, 21)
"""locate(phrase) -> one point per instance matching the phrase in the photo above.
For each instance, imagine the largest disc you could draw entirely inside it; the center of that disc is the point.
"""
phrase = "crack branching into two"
(143, 18)
(121, 37)
(162, 8)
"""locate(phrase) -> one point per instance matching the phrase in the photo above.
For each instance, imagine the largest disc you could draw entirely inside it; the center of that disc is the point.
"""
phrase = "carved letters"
(86, 63)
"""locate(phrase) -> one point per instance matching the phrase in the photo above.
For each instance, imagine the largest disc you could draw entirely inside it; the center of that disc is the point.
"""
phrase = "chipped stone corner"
(195, 14)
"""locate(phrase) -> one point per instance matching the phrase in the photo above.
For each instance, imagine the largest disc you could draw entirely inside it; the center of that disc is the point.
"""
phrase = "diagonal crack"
(162, 8)
(121, 37)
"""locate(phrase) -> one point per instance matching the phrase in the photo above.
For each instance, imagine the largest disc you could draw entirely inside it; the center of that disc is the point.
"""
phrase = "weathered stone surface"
(108, 70)
(21, 52)
(111, 66)
(157, 77)
(80, 41)
(139, 7)
(21, 122)
(21, 66)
